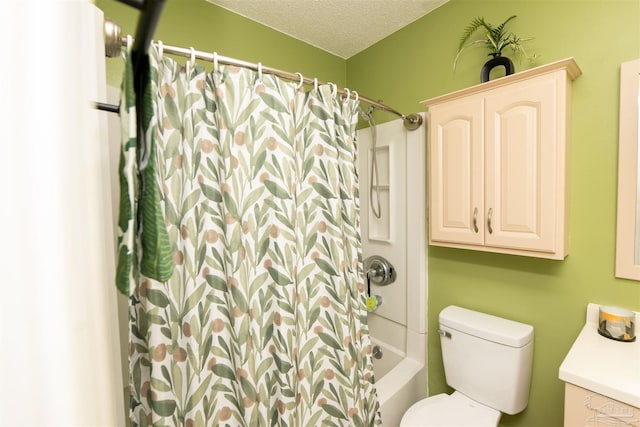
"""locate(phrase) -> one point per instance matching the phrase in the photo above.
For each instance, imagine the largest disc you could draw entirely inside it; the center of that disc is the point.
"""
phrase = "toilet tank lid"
(486, 326)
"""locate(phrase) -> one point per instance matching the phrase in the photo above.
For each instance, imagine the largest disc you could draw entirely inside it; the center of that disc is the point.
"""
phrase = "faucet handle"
(379, 270)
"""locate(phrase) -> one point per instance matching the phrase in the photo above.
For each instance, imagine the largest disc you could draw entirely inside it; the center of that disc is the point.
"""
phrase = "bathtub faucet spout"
(377, 352)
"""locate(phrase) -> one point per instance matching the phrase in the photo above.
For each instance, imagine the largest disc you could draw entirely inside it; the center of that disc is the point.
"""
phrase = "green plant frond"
(493, 40)
(496, 38)
(500, 28)
(520, 50)
(473, 43)
(470, 29)
(506, 41)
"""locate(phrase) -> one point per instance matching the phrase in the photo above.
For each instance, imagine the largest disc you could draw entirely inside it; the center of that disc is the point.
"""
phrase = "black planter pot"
(495, 62)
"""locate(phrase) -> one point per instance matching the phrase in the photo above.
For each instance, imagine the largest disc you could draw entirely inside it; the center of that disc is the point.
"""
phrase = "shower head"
(368, 115)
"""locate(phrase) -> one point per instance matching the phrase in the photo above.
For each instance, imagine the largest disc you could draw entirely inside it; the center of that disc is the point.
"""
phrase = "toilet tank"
(487, 358)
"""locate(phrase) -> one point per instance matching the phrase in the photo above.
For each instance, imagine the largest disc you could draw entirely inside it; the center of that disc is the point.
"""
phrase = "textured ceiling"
(341, 27)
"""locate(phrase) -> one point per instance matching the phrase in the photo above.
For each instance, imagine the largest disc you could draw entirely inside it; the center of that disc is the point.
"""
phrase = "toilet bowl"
(444, 410)
(487, 361)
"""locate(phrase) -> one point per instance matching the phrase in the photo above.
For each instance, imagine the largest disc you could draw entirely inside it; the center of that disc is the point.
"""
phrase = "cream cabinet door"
(585, 408)
(498, 163)
(521, 165)
(456, 170)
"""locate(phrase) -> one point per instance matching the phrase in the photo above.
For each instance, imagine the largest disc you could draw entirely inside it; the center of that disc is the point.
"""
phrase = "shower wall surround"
(398, 326)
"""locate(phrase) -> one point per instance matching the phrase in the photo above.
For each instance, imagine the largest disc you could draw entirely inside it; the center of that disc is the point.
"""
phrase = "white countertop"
(603, 365)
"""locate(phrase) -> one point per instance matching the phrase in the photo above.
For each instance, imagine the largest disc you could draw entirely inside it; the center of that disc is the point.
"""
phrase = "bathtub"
(400, 382)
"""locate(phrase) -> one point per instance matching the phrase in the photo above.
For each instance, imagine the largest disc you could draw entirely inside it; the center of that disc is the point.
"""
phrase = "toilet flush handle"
(444, 334)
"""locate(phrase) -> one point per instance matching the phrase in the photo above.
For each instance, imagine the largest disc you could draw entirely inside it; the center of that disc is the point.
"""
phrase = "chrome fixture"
(379, 271)
(444, 334)
(112, 39)
(377, 352)
(412, 121)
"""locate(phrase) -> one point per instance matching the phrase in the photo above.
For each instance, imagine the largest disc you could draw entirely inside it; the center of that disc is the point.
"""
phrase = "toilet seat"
(450, 410)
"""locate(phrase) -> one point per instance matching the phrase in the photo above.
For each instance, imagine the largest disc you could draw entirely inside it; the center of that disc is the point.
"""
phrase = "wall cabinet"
(498, 157)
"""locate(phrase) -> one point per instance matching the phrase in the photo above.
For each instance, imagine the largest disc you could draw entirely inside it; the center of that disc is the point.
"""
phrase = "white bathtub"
(400, 382)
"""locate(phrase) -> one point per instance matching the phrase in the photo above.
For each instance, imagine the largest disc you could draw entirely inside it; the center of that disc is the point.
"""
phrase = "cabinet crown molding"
(567, 64)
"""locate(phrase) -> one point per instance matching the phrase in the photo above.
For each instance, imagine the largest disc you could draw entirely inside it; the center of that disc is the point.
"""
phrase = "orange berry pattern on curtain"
(263, 321)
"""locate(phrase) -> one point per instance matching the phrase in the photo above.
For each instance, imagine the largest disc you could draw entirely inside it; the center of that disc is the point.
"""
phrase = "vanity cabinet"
(602, 378)
(585, 408)
(498, 156)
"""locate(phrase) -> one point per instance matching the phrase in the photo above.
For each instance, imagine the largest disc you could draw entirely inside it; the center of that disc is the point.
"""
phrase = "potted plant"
(496, 39)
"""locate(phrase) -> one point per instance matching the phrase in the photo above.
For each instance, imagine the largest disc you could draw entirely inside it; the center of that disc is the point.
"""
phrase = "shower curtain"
(262, 322)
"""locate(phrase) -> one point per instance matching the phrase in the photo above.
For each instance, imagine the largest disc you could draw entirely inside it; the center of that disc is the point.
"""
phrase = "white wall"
(59, 344)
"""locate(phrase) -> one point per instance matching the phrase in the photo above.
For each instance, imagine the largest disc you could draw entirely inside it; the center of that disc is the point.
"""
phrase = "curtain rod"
(411, 122)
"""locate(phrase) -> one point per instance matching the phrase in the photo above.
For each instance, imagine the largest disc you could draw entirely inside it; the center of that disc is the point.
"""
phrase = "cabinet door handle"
(489, 220)
(475, 220)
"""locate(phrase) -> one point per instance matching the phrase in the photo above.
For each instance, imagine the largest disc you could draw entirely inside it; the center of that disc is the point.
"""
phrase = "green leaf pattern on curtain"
(127, 268)
(143, 243)
(263, 321)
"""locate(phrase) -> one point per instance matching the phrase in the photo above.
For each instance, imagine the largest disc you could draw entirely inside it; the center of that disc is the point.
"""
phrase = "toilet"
(487, 361)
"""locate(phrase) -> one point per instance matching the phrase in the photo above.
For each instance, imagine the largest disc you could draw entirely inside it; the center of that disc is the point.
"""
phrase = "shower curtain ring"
(334, 89)
(315, 84)
(160, 49)
(301, 82)
(259, 70)
(129, 42)
(347, 96)
(215, 62)
(356, 96)
(192, 58)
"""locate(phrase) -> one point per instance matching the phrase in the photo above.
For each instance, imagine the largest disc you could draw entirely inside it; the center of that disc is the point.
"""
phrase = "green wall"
(415, 64)
(210, 28)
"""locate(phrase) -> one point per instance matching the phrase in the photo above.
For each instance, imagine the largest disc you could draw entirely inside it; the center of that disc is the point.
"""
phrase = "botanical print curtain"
(262, 322)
